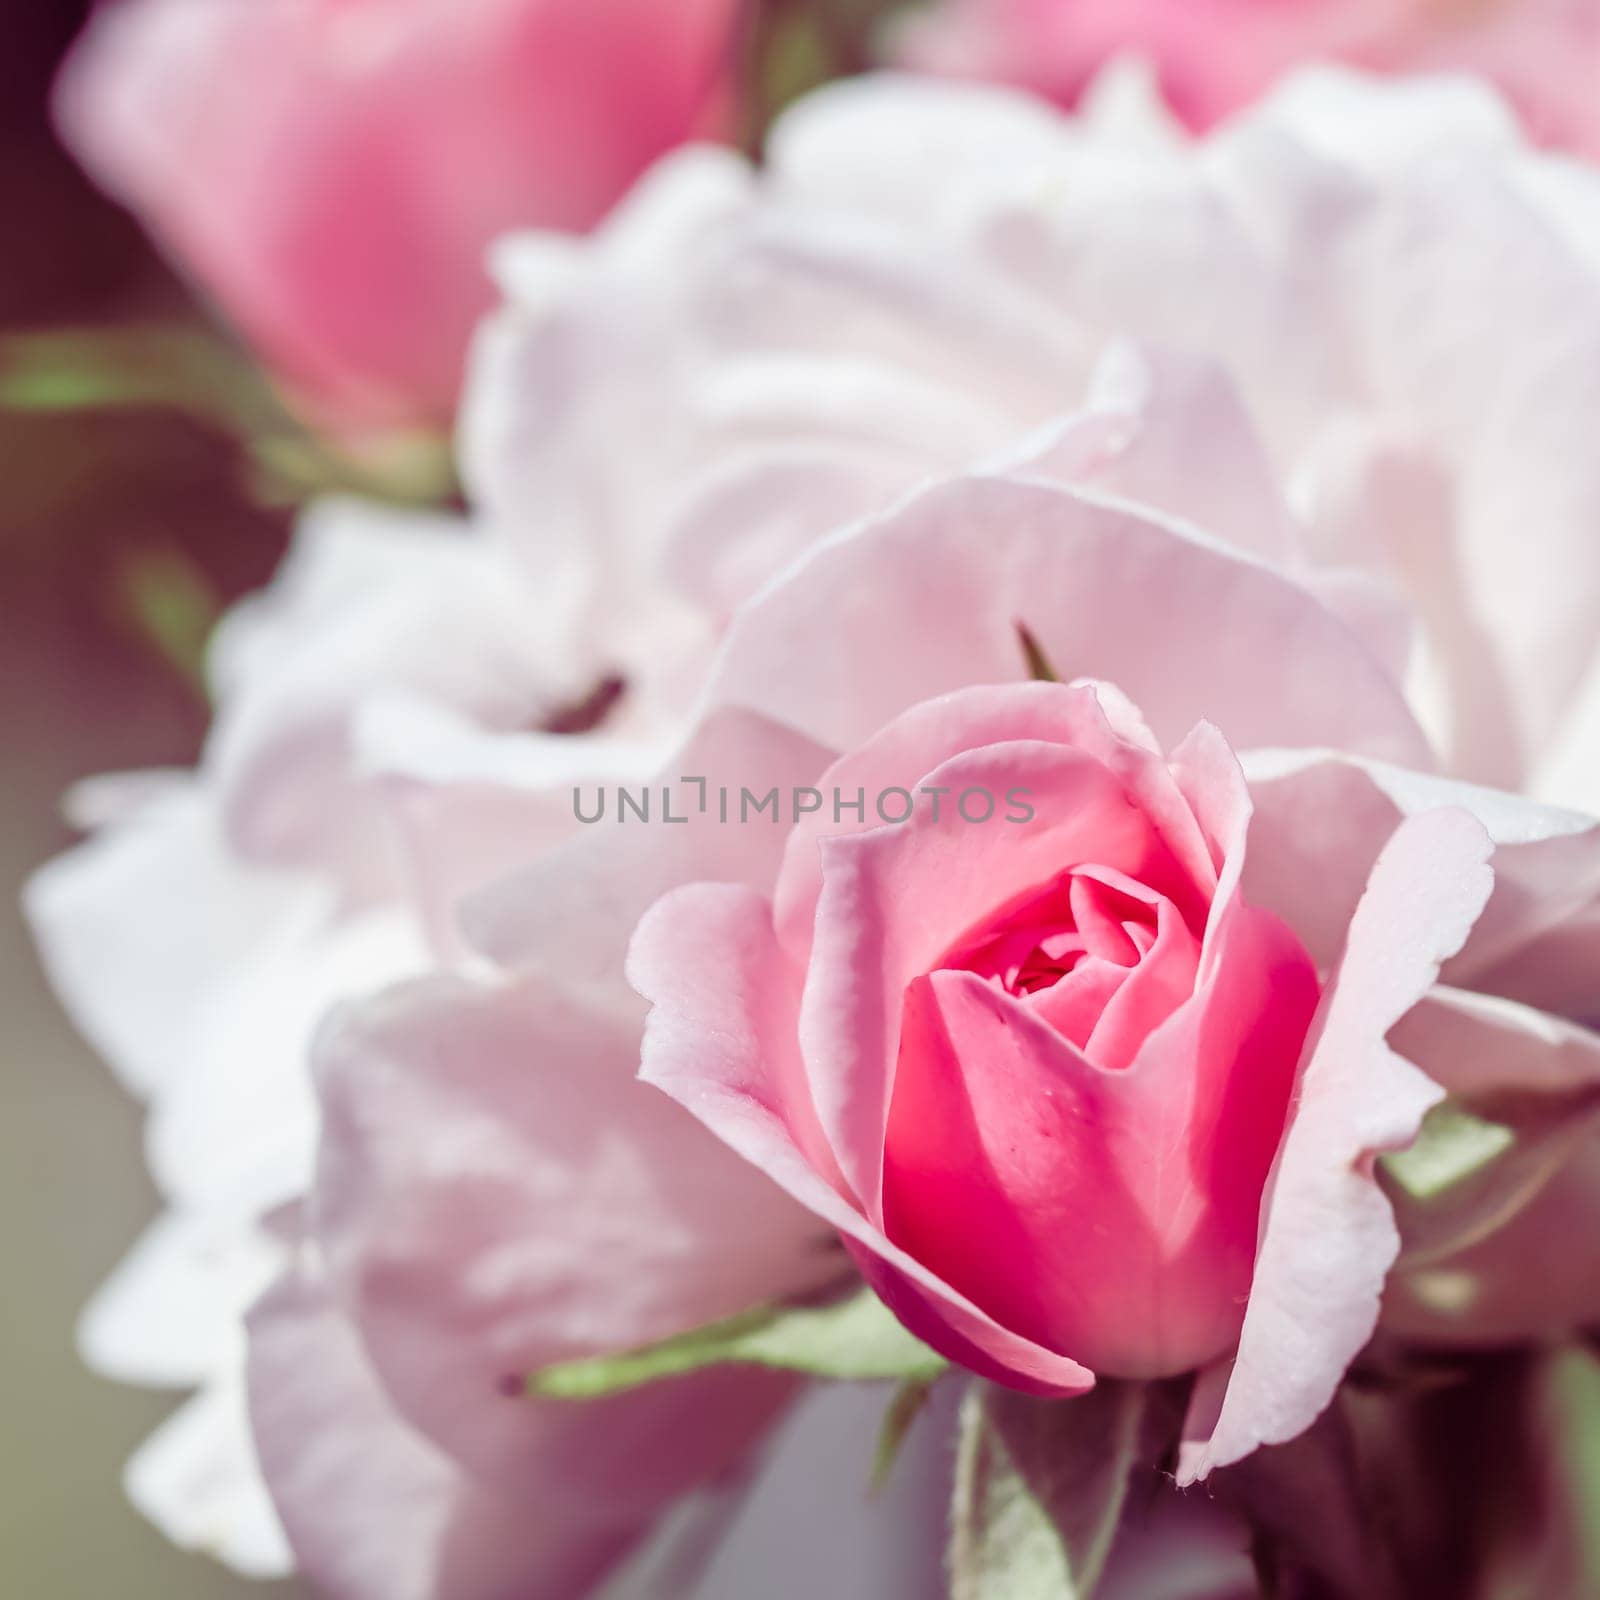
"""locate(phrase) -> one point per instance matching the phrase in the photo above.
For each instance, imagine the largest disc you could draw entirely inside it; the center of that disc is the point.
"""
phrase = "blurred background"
(118, 531)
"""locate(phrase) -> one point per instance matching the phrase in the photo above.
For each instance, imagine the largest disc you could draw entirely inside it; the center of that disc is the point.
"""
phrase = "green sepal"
(1040, 1490)
(1452, 1146)
(904, 1407)
(857, 1338)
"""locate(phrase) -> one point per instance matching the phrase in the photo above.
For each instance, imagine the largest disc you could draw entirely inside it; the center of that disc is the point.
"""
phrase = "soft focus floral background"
(98, 514)
(124, 531)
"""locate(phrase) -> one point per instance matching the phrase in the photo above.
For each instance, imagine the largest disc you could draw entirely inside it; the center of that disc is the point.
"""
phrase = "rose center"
(1091, 915)
(1102, 958)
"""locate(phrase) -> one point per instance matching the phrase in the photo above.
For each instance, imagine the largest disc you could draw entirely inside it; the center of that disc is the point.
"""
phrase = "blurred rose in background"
(1212, 57)
(332, 171)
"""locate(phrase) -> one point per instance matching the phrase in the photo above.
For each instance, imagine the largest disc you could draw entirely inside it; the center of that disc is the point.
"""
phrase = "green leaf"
(167, 365)
(169, 601)
(1452, 1146)
(1040, 1490)
(1472, 1169)
(200, 375)
(854, 1338)
(1572, 1417)
(1540, 1487)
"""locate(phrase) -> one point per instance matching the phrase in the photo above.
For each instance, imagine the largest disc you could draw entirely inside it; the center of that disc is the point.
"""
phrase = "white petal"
(197, 1480)
(171, 1313)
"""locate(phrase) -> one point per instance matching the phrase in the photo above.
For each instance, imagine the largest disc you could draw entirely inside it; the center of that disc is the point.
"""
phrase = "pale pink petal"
(497, 1192)
(1525, 1283)
(1169, 431)
(1379, 504)
(913, 127)
(1539, 1078)
(776, 379)
(169, 1313)
(750, 515)
(372, 1510)
(466, 808)
(885, 1542)
(928, 599)
(138, 925)
(439, 615)
(573, 912)
(525, 431)
(236, 1132)
(1478, 1045)
(1568, 770)
(1321, 819)
(197, 1480)
(1505, 417)
(1328, 1237)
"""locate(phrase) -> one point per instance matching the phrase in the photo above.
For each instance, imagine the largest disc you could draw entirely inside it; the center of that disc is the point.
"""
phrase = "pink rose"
(1050, 1051)
(1212, 57)
(333, 172)
(1101, 1092)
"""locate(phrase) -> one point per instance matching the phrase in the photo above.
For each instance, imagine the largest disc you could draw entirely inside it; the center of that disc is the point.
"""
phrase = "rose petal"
(1026, 1176)
(895, 900)
(1171, 434)
(885, 1543)
(927, 599)
(1328, 1236)
(170, 1314)
(496, 1193)
(138, 921)
(720, 1041)
(573, 912)
(1321, 819)
(371, 1509)
(1096, 718)
(197, 1480)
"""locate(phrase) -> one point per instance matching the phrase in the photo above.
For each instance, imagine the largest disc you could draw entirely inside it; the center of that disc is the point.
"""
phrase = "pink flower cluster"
(1233, 498)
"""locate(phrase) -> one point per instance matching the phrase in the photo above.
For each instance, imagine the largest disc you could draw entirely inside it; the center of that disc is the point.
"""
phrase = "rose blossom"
(332, 172)
(1216, 56)
(1124, 1030)
(1060, 1053)
(662, 418)
(1101, 1093)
